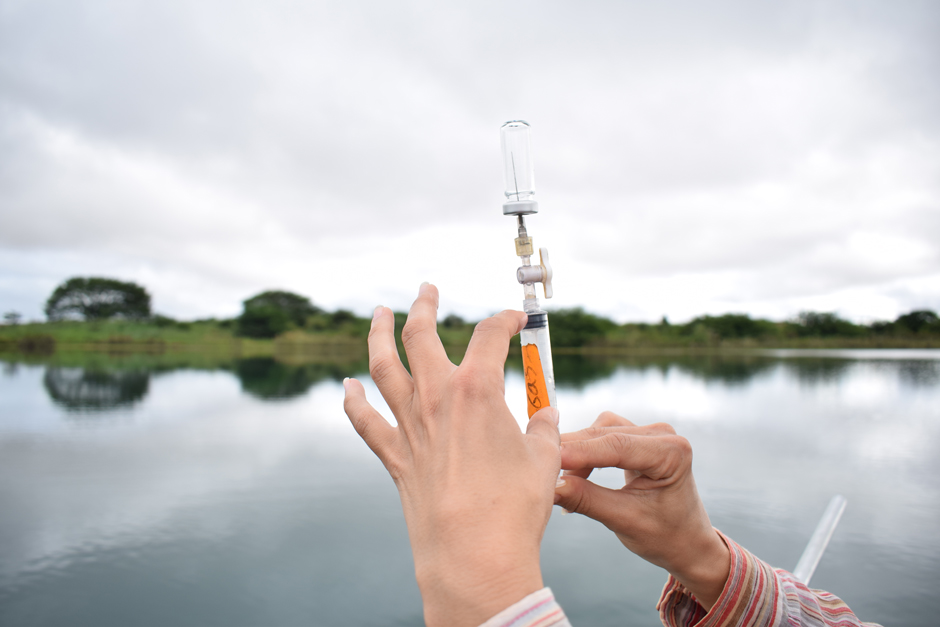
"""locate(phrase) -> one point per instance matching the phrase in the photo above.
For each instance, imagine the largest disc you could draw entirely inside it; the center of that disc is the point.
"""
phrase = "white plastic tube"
(817, 544)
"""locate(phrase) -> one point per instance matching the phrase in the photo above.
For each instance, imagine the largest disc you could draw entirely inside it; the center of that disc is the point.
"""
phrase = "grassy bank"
(338, 338)
(214, 340)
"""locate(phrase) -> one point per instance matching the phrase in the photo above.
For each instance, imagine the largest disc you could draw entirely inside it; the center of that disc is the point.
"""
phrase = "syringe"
(520, 202)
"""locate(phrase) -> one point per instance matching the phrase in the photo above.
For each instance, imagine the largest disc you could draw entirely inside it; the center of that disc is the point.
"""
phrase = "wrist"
(459, 593)
(707, 573)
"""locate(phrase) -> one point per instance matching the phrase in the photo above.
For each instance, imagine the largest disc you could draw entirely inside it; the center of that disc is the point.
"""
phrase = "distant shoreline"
(125, 337)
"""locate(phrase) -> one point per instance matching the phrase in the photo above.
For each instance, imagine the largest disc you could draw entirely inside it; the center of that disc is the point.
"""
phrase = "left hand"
(657, 514)
(477, 493)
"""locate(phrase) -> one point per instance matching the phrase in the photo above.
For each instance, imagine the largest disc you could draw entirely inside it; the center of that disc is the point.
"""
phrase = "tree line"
(273, 312)
(576, 327)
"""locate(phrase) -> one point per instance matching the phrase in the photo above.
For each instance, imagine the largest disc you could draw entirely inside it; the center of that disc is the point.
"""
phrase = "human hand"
(475, 490)
(658, 513)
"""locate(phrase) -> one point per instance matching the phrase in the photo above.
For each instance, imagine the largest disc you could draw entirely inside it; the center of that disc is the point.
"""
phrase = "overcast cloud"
(690, 157)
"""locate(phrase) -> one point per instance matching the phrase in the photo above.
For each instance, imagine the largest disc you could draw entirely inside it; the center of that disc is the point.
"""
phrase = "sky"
(690, 158)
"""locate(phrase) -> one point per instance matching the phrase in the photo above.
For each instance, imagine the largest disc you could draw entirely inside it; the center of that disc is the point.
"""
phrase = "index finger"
(489, 344)
(591, 433)
(655, 457)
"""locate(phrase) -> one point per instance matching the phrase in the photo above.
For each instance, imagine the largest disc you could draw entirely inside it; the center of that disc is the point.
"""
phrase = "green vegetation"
(156, 331)
(918, 329)
(576, 327)
(573, 331)
(97, 298)
(271, 313)
(113, 317)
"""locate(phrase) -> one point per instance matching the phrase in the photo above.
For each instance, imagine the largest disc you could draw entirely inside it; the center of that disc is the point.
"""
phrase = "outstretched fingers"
(419, 336)
(385, 365)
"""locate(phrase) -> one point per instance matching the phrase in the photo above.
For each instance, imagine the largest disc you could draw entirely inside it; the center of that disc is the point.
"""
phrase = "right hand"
(657, 514)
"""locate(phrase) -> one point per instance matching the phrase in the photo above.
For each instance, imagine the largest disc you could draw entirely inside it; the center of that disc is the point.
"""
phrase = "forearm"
(755, 595)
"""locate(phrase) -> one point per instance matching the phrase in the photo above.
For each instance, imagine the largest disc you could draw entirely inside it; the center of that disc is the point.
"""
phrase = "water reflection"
(269, 379)
(578, 371)
(739, 370)
(83, 390)
(730, 370)
(210, 507)
(814, 371)
(94, 382)
(98, 383)
(920, 374)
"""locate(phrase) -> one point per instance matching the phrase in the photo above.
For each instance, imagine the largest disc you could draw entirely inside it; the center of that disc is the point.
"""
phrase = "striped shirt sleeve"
(756, 595)
(539, 609)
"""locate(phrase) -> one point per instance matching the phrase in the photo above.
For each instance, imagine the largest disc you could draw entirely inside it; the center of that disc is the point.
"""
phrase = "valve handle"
(546, 272)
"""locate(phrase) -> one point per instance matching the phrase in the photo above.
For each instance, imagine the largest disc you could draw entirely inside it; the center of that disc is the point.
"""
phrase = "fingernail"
(375, 314)
(346, 384)
(424, 288)
(564, 512)
(555, 415)
(560, 482)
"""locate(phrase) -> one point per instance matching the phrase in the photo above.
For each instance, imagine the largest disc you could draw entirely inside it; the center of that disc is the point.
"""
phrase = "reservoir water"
(140, 493)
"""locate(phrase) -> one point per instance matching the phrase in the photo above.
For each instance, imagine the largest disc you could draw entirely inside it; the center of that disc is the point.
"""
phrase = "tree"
(273, 312)
(96, 298)
(730, 326)
(262, 322)
(823, 324)
(917, 320)
(453, 321)
(576, 327)
(12, 317)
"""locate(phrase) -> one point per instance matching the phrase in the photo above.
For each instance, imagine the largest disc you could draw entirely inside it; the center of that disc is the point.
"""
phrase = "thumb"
(584, 497)
(544, 425)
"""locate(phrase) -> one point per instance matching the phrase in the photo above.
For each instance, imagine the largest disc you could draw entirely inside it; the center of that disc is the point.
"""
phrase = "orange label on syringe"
(535, 387)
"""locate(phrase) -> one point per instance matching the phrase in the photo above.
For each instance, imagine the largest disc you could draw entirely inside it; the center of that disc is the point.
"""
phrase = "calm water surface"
(145, 495)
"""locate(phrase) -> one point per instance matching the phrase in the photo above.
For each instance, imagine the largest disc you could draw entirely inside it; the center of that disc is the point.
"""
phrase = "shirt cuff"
(757, 595)
(539, 609)
(678, 606)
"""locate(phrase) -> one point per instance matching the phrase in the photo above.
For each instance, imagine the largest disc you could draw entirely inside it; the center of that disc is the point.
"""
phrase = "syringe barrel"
(518, 171)
(537, 363)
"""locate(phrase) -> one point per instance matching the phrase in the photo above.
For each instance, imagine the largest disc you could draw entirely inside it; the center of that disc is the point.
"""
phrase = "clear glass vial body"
(518, 170)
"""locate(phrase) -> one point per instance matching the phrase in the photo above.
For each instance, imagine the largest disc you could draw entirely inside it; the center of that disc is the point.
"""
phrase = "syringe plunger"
(518, 172)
